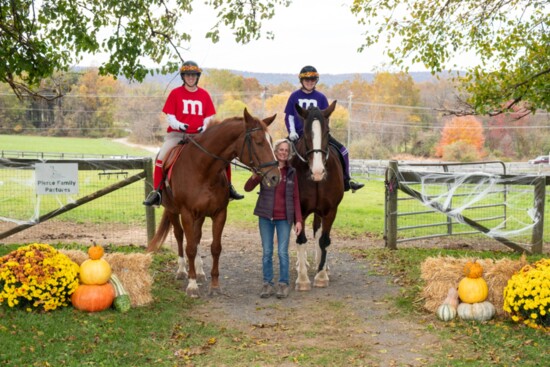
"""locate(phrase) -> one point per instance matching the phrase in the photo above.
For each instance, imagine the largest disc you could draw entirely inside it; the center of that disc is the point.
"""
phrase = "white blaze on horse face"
(317, 167)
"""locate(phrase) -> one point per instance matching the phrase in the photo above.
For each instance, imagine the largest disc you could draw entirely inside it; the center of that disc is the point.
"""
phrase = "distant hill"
(275, 79)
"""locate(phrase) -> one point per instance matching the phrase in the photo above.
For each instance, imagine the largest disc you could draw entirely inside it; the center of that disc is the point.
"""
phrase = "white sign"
(56, 178)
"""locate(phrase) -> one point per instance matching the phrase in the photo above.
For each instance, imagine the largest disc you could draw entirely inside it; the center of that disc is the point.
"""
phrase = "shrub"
(37, 276)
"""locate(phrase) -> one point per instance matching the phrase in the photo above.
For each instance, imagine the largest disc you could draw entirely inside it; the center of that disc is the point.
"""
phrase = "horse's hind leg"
(199, 265)
(218, 223)
(181, 272)
(302, 281)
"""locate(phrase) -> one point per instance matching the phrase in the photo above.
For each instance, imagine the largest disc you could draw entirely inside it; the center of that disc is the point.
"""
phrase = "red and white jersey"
(189, 107)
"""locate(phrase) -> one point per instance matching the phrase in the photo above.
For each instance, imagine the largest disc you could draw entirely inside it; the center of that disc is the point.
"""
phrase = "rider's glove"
(201, 129)
(293, 136)
(175, 124)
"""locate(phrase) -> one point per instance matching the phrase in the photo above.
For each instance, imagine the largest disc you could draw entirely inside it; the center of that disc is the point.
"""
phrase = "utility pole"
(349, 118)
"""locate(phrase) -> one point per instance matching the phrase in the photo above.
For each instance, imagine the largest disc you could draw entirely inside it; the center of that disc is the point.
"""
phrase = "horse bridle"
(251, 153)
(311, 151)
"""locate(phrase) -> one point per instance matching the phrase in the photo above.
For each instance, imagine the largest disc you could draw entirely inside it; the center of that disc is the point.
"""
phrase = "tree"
(464, 129)
(511, 38)
(38, 38)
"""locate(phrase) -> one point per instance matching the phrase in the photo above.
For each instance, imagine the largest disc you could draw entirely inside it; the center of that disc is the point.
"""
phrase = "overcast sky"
(322, 33)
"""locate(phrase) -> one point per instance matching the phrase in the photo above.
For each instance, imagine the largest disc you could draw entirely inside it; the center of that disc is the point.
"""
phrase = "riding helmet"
(308, 72)
(190, 67)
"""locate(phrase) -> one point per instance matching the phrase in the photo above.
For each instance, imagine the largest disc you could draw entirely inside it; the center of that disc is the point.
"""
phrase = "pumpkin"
(95, 271)
(95, 252)
(473, 270)
(452, 297)
(481, 311)
(473, 290)
(446, 312)
(93, 297)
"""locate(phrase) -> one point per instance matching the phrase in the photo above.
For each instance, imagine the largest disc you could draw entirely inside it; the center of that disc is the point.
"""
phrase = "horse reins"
(248, 143)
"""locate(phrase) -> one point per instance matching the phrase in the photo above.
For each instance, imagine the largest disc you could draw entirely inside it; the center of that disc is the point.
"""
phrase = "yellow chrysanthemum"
(527, 295)
(37, 276)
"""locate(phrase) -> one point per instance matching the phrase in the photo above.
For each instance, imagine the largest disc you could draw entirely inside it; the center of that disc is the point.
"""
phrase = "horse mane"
(240, 118)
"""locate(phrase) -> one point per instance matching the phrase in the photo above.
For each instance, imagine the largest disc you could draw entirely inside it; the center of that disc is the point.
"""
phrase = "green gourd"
(122, 301)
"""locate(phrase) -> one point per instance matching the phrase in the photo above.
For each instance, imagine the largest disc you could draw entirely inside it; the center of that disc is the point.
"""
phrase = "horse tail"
(160, 234)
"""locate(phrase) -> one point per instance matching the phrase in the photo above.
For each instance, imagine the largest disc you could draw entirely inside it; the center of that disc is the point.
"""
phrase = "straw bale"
(131, 269)
(443, 272)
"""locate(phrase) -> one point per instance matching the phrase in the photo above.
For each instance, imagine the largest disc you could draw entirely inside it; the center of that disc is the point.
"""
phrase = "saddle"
(171, 158)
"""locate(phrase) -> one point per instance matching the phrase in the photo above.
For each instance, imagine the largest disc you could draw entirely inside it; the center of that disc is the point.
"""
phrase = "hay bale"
(131, 269)
(443, 272)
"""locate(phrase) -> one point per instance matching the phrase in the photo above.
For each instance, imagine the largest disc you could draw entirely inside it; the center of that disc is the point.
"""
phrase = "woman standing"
(278, 208)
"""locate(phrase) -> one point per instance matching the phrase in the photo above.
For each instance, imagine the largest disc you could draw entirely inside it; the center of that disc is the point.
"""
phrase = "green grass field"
(149, 335)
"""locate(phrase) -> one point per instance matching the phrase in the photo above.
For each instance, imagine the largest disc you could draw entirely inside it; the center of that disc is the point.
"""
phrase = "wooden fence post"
(149, 211)
(390, 227)
(538, 230)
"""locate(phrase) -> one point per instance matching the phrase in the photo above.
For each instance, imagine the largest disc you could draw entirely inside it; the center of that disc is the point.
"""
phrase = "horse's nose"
(318, 175)
(275, 179)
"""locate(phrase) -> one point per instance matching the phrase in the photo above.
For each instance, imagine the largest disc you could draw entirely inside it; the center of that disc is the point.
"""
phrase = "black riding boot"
(153, 199)
(354, 186)
(233, 194)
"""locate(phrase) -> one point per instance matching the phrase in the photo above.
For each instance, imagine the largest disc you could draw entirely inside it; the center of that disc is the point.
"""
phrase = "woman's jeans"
(267, 231)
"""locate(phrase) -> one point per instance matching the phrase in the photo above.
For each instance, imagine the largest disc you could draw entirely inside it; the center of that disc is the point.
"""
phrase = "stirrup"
(153, 199)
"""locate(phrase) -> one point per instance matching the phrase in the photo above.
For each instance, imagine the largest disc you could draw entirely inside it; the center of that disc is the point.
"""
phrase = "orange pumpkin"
(95, 252)
(473, 270)
(93, 298)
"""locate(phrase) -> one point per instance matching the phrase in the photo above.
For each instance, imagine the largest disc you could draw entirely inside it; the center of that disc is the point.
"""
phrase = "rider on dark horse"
(308, 96)
(188, 110)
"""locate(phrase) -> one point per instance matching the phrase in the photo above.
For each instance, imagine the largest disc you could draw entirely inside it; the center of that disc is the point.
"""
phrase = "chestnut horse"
(198, 187)
(321, 183)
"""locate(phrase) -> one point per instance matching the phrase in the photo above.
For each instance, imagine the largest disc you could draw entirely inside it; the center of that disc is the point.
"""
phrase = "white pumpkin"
(446, 312)
(480, 311)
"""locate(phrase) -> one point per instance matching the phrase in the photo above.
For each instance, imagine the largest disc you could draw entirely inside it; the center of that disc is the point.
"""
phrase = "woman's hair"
(290, 147)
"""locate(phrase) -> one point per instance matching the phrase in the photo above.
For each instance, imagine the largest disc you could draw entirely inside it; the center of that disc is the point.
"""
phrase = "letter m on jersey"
(307, 103)
(192, 107)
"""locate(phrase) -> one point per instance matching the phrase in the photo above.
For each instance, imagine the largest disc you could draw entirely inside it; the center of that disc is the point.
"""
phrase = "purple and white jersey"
(304, 100)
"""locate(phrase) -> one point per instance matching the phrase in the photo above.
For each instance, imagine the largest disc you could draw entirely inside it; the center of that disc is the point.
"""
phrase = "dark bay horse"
(198, 187)
(321, 183)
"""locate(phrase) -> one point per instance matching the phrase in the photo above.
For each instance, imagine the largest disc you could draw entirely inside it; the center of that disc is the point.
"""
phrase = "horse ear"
(269, 120)
(247, 116)
(329, 110)
(301, 112)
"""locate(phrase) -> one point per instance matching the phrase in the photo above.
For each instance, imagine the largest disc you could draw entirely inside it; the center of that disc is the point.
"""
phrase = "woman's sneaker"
(267, 291)
(282, 291)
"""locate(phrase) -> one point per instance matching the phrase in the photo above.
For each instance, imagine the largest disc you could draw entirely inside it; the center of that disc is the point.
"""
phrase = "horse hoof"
(321, 283)
(194, 293)
(303, 286)
(201, 278)
(181, 276)
(214, 291)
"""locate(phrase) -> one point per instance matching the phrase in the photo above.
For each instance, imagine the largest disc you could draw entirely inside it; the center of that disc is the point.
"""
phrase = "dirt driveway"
(354, 313)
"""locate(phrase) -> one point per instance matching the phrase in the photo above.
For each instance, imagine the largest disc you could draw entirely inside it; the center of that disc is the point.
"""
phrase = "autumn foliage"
(466, 130)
